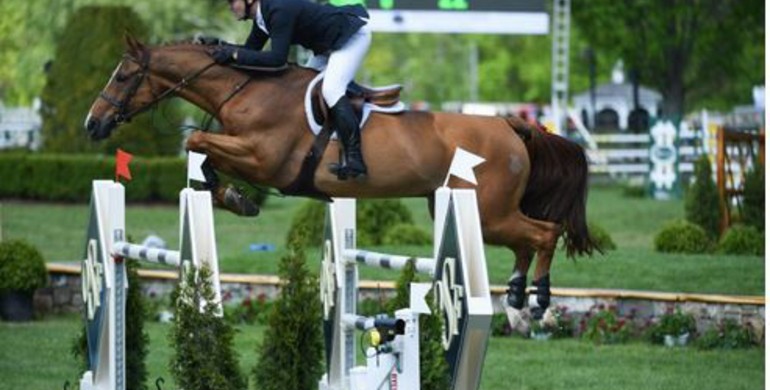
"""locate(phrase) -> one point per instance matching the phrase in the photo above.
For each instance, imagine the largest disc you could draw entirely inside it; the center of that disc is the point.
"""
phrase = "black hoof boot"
(517, 292)
(239, 204)
(543, 292)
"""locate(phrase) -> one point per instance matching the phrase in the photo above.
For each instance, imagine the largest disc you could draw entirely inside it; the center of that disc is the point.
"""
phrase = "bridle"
(138, 77)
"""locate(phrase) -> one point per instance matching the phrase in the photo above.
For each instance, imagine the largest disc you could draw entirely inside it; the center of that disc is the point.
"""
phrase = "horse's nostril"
(92, 124)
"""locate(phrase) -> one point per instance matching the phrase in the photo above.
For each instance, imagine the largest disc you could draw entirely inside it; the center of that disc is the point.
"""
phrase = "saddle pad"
(368, 108)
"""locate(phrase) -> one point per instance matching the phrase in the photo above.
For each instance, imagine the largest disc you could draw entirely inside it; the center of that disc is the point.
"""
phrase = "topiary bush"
(701, 203)
(754, 197)
(291, 351)
(203, 356)
(601, 237)
(682, 237)
(742, 240)
(22, 267)
(407, 234)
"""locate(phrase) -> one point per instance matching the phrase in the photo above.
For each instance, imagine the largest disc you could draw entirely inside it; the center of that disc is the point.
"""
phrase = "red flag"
(121, 165)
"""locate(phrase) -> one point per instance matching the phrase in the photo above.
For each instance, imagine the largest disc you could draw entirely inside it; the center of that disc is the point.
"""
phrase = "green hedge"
(67, 178)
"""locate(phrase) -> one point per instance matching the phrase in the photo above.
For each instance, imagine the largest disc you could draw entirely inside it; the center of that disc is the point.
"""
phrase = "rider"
(339, 39)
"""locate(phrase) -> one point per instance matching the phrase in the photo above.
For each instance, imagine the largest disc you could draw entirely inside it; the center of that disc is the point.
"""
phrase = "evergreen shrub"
(307, 224)
(701, 201)
(754, 197)
(742, 240)
(291, 352)
(203, 356)
(407, 234)
(682, 237)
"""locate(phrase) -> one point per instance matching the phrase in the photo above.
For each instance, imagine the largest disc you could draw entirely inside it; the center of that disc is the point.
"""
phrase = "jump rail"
(104, 277)
(460, 288)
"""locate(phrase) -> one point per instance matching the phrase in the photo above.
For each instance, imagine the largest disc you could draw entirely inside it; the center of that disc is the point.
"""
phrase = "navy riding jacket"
(321, 28)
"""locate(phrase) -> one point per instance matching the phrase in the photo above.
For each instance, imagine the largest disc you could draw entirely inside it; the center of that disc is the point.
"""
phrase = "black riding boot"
(349, 134)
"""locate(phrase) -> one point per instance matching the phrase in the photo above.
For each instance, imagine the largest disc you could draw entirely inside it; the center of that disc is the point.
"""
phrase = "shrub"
(500, 325)
(601, 237)
(682, 237)
(754, 197)
(375, 217)
(203, 356)
(291, 351)
(742, 240)
(22, 267)
(307, 225)
(605, 326)
(406, 234)
(701, 202)
(727, 334)
(672, 323)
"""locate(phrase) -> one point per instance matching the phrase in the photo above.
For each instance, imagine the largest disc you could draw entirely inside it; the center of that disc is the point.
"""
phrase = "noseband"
(138, 77)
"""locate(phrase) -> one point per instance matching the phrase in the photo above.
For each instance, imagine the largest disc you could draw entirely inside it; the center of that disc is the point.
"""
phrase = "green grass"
(36, 356)
(59, 231)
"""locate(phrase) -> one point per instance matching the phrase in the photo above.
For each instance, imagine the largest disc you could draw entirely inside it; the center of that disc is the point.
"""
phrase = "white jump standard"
(104, 273)
(460, 288)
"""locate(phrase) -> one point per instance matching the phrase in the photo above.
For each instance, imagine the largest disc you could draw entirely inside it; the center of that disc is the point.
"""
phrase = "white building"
(20, 127)
(615, 103)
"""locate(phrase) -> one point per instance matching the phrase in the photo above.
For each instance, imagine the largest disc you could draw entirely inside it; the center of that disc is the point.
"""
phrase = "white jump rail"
(104, 273)
(460, 288)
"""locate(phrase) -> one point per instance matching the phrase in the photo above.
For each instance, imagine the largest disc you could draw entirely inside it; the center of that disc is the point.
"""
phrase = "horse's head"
(128, 92)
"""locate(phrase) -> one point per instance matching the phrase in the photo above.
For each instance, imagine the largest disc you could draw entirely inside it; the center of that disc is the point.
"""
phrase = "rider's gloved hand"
(224, 54)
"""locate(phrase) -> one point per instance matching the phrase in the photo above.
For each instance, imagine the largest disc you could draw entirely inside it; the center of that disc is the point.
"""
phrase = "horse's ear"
(135, 48)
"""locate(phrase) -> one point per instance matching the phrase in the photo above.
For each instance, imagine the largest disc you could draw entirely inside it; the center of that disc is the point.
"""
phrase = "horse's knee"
(196, 141)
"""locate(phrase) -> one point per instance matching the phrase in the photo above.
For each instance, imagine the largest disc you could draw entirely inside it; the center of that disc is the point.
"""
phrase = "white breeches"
(341, 65)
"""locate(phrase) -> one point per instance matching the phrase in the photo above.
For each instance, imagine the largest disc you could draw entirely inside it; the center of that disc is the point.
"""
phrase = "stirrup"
(239, 204)
(344, 171)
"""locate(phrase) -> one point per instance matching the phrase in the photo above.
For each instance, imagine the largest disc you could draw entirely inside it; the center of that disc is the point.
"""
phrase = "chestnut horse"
(531, 190)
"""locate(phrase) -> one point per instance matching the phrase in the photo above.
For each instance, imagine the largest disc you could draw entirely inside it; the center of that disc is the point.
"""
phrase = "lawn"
(36, 356)
(59, 231)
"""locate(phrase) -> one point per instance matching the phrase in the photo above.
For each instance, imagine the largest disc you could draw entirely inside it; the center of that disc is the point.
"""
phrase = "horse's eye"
(121, 77)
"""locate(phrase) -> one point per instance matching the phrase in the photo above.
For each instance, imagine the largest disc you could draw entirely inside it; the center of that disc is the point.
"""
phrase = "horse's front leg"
(224, 153)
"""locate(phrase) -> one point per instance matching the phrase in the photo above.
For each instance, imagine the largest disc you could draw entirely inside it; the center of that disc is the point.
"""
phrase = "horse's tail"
(557, 188)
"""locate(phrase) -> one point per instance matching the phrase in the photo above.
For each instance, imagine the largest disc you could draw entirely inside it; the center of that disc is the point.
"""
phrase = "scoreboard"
(456, 16)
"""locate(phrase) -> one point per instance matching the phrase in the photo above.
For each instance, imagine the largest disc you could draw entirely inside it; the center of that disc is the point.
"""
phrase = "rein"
(122, 105)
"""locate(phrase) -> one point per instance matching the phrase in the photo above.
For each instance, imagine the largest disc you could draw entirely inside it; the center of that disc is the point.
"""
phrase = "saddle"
(359, 95)
(386, 97)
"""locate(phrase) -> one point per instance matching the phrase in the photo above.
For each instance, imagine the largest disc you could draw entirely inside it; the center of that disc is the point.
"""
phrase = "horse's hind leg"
(517, 284)
(530, 236)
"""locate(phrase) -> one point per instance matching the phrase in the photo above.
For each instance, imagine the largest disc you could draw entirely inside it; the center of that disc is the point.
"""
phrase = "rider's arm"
(281, 28)
(257, 39)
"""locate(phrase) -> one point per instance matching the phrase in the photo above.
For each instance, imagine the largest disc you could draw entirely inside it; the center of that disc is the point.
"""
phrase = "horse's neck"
(218, 85)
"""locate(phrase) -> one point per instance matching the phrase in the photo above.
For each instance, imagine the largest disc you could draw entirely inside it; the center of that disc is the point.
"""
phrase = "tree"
(204, 357)
(291, 352)
(86, 53)
(701, 203)
(695, 52)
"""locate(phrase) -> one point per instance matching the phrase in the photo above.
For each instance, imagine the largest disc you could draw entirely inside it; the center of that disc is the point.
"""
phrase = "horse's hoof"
(239, 204)
(517, 291)
(537, 313)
